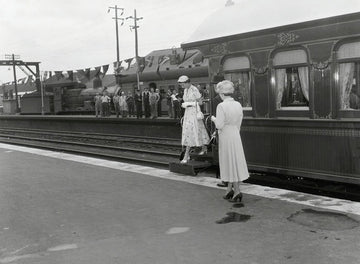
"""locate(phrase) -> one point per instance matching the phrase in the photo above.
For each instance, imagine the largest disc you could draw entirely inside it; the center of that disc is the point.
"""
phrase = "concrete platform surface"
(63, 208)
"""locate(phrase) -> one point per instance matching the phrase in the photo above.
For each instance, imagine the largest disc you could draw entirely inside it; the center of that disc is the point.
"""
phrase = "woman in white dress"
(194, 133)
(233, 167)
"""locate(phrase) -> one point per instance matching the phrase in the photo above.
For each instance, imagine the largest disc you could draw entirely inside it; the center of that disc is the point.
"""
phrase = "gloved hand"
(184, 104)
(213, 118)
(187, 104)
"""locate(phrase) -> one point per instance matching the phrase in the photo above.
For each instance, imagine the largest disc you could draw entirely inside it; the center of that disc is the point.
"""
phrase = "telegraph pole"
(12, 58)
(135, 18)
(15, 81)
(117, 31)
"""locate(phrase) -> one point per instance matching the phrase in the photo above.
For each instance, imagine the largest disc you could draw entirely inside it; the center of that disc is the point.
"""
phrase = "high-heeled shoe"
(203, 152)
(229, 195)
(236, 198)
(185, 160)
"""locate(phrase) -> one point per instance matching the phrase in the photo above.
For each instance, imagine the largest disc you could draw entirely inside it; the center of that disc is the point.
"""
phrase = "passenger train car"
(298, 82)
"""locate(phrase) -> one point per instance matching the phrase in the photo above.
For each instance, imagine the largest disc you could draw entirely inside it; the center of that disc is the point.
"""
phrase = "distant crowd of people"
(146, 103)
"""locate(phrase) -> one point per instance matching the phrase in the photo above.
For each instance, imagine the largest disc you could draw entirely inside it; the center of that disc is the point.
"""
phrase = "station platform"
(63, 208)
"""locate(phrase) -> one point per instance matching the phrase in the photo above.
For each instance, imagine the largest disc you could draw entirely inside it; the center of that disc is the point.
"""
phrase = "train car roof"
(255, 15)
(160, 65)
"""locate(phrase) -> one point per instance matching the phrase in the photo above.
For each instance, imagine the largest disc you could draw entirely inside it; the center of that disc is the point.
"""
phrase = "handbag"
(199, 114)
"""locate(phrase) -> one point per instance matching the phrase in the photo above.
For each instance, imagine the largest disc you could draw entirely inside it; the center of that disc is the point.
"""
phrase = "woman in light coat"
(233, 167)
(194, 133)
(123, 105)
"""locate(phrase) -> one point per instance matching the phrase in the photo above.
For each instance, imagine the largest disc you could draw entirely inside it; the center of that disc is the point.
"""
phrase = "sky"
(78, 34)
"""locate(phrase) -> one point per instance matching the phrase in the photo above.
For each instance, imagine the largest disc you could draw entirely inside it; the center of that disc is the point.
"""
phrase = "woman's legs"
(237, 197)
(186, 155)
(229, 187)
(203, 150)
(236, 188)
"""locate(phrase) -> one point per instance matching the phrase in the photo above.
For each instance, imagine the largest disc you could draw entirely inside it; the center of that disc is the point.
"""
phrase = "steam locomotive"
(161, 68)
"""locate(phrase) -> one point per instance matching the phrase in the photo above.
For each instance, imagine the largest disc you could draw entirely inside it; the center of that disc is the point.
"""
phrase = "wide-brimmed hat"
(183, 79)
(225, 87)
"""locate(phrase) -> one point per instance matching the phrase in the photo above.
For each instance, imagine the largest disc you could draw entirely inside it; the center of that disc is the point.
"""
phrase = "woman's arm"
(220, 117)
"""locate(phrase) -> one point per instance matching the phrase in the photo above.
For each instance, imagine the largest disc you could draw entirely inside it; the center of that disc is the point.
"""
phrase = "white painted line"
(177, 230)
(327, 203)
(10, 259)
(63, 247)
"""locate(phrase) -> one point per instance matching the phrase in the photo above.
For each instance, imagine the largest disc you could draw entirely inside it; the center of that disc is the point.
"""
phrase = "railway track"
(148, 150)
(157, 152)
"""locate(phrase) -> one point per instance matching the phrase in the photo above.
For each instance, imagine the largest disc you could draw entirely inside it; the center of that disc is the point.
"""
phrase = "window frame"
(247, 111)
(337, 111)
(290, 111)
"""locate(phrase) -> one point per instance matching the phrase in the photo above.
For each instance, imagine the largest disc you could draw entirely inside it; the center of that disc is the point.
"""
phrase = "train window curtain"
(346, 77)
(304, 81)
(280, 77)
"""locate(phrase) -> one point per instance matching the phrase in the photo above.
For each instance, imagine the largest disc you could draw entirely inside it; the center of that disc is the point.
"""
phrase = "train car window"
(349, 76)
(349, 50)
(236, 63)
(349, 85)
(237, 70)
(291, 80)
(290, 57)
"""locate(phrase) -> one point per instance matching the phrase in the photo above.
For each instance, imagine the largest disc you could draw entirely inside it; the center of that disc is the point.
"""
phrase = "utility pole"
(136, 45)
(117, 32)
(12, 58)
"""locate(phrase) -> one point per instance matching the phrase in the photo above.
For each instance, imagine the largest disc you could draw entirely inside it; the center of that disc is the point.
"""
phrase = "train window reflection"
(237, 70)
(349, 84)
(241, 82)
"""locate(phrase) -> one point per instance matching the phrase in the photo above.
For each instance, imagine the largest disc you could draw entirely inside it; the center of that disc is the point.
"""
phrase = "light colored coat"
(233, 167)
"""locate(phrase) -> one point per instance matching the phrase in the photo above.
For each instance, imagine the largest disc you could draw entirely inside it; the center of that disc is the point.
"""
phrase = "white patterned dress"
(194, 133)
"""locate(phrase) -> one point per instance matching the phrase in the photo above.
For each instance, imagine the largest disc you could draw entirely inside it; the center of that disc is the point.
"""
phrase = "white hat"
(183, 79)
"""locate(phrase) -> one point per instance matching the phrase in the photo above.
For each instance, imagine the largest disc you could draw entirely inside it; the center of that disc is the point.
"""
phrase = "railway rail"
(157, 152)
(152, 151)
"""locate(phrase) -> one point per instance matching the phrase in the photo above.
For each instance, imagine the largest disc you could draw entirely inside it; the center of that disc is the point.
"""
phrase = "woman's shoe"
(229, 195)
(185, 160)
(236, 198)
(202, 152)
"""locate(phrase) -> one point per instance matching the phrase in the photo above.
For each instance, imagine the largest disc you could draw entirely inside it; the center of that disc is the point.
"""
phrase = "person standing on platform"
(232, 162)
(217, 100)
(116, 98)
(123, 105)
(158, 104)
(169, 104)
(97, 100)
(105, 100)
(194, 133)
(146, 102)
(131, 103)
(175, 103)
(138, 103)
(153, 99)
